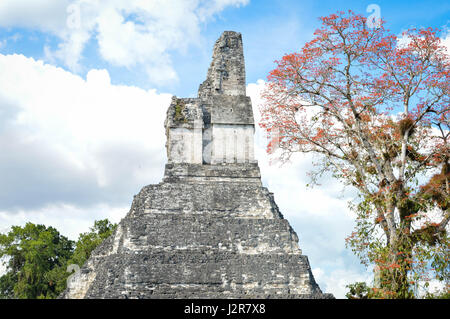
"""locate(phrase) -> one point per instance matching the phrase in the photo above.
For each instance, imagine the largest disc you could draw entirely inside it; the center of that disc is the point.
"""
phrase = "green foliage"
(31, 252)
(404, 267)
(87, 242)
(440, 295)
(358, 290)
(37, 258)
(7, 283)
(179, 112)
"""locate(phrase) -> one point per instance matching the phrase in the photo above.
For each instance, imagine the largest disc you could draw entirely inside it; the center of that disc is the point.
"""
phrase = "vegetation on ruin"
(179, 112)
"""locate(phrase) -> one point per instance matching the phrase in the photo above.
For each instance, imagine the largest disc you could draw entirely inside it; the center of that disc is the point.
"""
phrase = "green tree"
(30, 253)
(375, 113)
(37, 258)
(358, 290)
(85, 244)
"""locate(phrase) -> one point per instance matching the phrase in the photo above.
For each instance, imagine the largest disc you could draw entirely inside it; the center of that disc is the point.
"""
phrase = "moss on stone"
(179, 111)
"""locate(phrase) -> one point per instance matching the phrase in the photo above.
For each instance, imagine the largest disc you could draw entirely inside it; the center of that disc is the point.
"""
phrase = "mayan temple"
(209, 229)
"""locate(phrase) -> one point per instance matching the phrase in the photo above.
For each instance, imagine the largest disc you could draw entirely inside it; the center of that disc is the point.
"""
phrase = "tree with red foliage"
(376, 110)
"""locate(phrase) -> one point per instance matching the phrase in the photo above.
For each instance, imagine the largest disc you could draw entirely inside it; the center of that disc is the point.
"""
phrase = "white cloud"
(336, 281)
(77, 138)
(76, 150)
(68, 219)
(446, 40)
(403, 40)
(76, 113)
(45, 15)
(212, 7)
(129, 33)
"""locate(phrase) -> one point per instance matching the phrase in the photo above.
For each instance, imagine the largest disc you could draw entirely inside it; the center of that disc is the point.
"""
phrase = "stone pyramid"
(209, 229)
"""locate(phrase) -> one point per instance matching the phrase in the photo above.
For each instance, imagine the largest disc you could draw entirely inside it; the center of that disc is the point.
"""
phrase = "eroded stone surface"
(209, 229)
(216, 127)
(199, 240)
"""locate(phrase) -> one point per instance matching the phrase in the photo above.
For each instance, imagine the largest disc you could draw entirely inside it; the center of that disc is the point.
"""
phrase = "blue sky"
(82, 106)
(270, 29)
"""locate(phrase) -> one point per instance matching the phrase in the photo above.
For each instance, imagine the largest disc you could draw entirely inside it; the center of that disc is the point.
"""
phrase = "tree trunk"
(394, 277)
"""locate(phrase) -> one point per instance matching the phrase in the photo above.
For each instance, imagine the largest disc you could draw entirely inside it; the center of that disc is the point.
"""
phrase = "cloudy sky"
(85, 84)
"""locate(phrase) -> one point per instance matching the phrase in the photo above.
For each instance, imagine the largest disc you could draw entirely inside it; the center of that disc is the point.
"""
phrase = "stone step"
(171, 273)
(181, 232)
(239, 199)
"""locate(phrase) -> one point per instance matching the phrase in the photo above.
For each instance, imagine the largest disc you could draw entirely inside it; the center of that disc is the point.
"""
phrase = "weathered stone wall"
(209, 239)
(232, 143)
(218, 126)
(209, 229)
(184, 126)
(226, 74)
